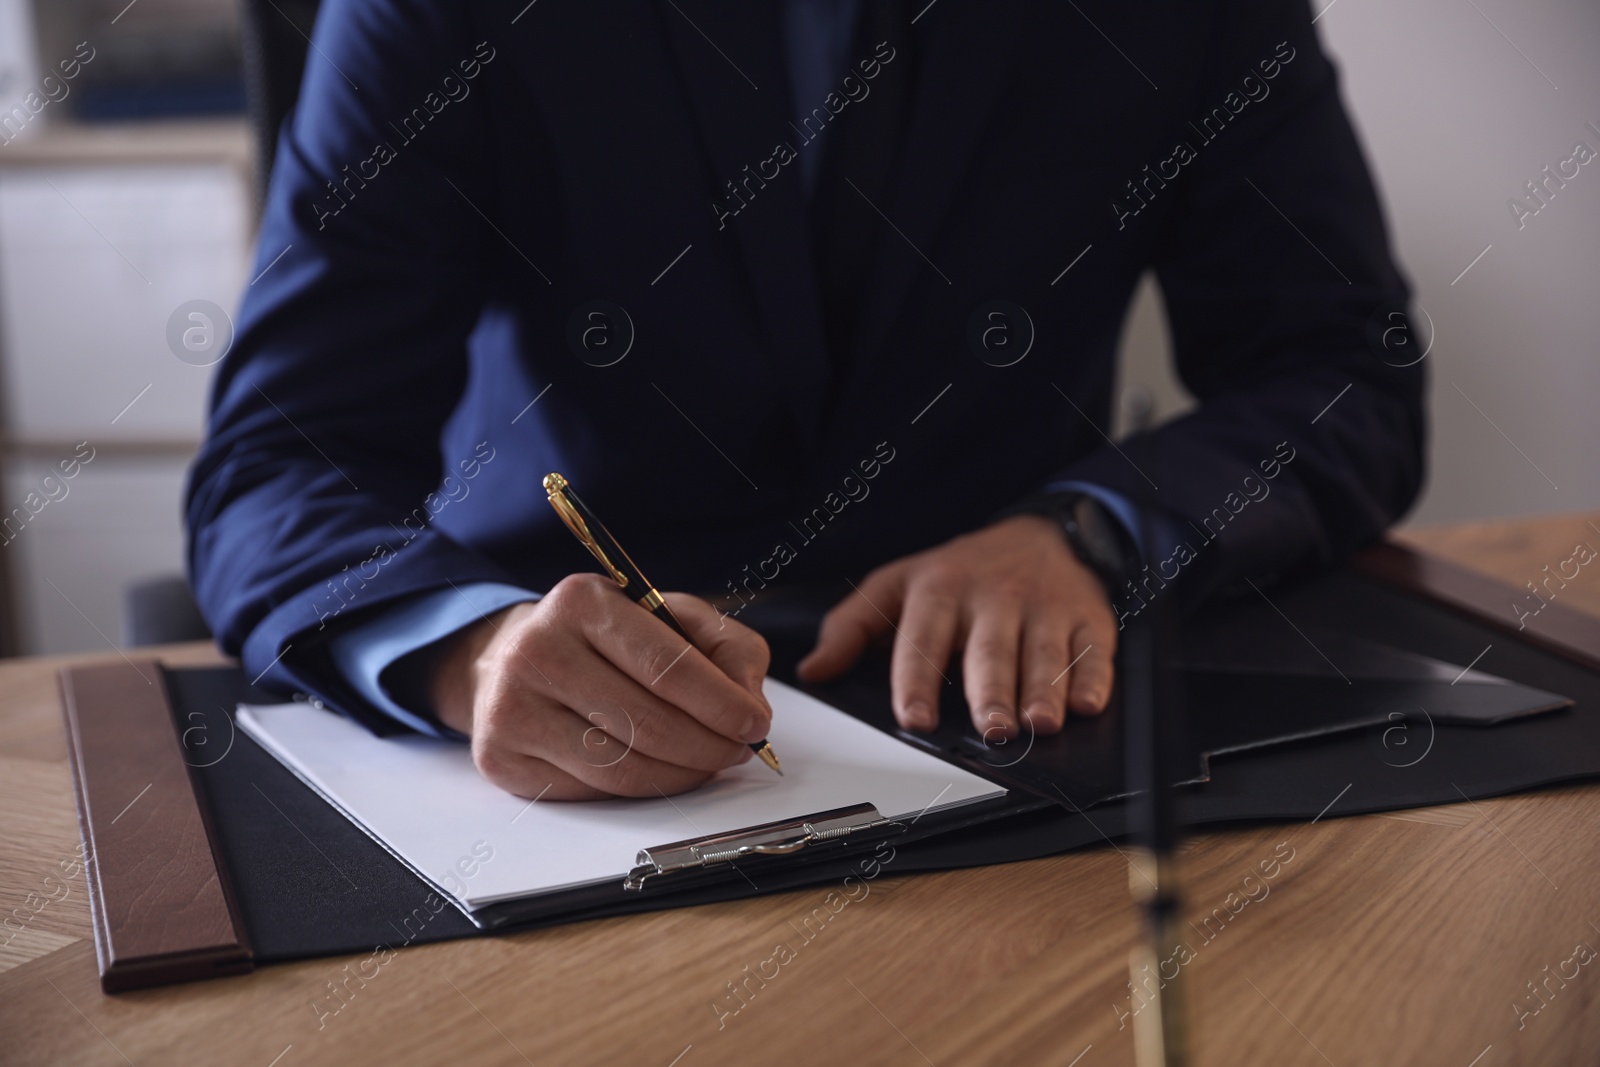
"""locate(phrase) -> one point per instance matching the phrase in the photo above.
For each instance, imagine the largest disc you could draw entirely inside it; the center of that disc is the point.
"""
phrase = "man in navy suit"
(792, 291)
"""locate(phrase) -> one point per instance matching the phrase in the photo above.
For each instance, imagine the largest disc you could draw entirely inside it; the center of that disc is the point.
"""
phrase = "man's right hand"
(584, 694)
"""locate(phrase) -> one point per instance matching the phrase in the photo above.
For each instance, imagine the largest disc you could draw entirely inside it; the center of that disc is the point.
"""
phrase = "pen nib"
(769, 757)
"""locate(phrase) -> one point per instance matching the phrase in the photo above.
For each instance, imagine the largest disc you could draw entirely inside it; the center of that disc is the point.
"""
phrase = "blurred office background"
(131, 193)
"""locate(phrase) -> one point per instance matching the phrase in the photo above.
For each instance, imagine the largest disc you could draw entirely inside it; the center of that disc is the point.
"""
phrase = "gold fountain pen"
(594, 536)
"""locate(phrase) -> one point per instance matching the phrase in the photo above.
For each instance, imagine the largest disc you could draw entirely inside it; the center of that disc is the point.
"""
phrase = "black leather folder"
(1338, 696)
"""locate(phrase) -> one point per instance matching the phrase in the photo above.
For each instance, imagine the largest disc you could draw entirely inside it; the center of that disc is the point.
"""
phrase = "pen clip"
(556, 486)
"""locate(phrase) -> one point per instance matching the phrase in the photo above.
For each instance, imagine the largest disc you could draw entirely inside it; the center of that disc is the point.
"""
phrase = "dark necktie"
(861, 149)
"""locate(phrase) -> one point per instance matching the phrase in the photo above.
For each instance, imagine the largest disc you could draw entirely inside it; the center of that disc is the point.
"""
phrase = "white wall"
(1456, 117)
(116, 522)
(94, 262)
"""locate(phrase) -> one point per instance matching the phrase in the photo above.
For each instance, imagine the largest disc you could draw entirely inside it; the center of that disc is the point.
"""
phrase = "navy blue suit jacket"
(462, 183)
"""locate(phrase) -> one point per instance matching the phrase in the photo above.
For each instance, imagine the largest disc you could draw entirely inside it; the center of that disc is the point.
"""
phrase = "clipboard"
(259, 825)
(501, 858)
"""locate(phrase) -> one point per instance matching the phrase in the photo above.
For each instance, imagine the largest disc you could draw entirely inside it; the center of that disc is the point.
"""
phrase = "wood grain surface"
(1554, 606)
(1438, 936)
(1520, 551)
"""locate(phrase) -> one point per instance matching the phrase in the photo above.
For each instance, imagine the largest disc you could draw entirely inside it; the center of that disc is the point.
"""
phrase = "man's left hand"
(1035, 624)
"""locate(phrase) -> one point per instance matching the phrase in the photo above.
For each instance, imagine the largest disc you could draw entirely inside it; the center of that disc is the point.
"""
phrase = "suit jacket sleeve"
(310, 500)
(1274, 265)
(386, 656)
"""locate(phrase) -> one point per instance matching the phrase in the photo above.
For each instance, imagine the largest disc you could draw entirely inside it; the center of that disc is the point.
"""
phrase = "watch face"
(1092, 533)
(1091, 525)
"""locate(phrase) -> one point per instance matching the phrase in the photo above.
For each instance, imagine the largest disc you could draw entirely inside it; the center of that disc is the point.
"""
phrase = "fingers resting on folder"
(582, 695)
(1034, 626)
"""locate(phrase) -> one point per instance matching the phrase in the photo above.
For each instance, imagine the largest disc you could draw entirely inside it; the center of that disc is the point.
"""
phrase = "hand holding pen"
(593, 535)
(583, 695)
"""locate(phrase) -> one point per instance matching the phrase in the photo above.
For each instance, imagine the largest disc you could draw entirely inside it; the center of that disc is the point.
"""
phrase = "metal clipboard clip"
(770, 839)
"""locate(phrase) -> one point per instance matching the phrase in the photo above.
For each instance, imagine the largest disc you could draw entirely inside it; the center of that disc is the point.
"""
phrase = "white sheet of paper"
(423, 799)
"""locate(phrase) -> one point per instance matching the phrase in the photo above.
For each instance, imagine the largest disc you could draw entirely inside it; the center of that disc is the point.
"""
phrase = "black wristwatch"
(1096, 537)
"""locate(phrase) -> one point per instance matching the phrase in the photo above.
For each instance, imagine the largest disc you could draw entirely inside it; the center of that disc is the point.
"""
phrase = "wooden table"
(1408, 938)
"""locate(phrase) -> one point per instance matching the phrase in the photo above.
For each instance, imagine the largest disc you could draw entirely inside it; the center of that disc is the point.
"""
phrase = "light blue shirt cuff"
(364, 651)
(1162, 529)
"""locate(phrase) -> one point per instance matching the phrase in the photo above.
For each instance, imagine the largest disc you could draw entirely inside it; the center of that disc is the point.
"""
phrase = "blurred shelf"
(176, 141)
(123, 448)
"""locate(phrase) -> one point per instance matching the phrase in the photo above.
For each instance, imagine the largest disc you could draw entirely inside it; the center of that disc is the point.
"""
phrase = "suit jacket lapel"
(730, 55)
